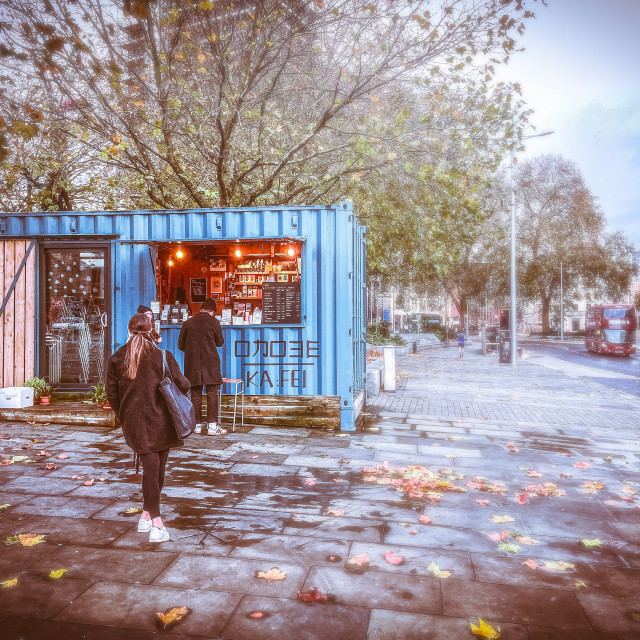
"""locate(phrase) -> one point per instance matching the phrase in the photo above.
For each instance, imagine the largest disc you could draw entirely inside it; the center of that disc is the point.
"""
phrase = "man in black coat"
(200, 338)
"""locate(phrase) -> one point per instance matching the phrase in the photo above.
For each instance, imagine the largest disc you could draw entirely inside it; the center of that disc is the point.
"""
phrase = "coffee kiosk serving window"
(252, 282)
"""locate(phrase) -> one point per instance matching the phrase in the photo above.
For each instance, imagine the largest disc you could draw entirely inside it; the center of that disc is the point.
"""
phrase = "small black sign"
(281, 303)
(198, 289)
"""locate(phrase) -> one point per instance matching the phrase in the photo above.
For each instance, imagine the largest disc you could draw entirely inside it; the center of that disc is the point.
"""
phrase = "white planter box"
(16, 397)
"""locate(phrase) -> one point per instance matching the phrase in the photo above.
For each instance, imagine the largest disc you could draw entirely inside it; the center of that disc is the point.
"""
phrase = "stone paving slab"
(508, 603)
(296, 549)
(611, 613)
(399, 592)
(234, 575)
(417, 560)
(394, 625)
(135, 607)
(72, 507)
(17, 628)
(39, 597)
(291, 619)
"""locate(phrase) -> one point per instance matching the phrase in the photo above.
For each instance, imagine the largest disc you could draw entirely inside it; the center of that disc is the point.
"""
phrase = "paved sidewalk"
(537, 460)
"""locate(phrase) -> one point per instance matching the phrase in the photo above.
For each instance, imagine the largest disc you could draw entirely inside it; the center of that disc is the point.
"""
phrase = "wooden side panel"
(18, 316)
(30, 315)
(7, 319)
(2, 290)
(17, 324)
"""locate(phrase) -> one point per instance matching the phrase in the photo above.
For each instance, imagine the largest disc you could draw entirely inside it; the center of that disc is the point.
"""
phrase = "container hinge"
(350, 275)
(3, 226)
(218, 222)
(350, 332)
(294, 221)
(72, 226)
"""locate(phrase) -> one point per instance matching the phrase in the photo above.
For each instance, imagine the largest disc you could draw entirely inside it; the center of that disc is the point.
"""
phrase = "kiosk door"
(75, 314)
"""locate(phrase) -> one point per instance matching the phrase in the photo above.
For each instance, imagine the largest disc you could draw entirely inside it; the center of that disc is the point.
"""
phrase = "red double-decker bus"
(611, 328)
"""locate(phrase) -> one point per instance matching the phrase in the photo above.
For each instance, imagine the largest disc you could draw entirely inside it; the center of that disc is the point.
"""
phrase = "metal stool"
(239, 388)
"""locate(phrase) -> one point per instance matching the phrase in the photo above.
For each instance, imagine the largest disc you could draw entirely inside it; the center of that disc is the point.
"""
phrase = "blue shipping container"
(323, 355)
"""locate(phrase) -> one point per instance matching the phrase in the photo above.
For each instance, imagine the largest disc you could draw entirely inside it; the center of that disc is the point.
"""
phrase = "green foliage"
(173, 105)
(378, 335)
(559, 221)
(99, 394)
(41, 388)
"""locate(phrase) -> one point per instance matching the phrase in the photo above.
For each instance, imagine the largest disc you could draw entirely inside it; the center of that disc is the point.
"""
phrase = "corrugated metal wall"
(323, 356)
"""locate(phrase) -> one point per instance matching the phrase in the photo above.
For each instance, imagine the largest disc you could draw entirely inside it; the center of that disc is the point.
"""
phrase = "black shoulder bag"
(183, 415)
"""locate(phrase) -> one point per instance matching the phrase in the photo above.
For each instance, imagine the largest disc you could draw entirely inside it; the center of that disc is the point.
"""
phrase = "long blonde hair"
(140, 328)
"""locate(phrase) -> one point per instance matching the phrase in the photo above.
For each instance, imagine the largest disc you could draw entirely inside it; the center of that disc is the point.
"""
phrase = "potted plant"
(99, 396)
(37, 385)
(45, 392)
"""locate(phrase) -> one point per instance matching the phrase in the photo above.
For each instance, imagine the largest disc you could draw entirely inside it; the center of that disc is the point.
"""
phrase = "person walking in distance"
(200, 338)
(134, 373)
(460, 339)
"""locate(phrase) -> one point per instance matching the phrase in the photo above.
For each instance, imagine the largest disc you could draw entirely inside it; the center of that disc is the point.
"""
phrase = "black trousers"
(212, 402)
(153, 466)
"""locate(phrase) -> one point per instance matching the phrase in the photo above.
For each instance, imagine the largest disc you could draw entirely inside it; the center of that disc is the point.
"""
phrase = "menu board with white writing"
(281, 303)
(198, 289)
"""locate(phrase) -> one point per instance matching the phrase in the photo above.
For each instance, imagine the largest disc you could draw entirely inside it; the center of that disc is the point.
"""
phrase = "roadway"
(575, 352)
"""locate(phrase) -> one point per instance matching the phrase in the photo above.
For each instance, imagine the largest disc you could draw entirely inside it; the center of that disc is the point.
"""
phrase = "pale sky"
(580, 72)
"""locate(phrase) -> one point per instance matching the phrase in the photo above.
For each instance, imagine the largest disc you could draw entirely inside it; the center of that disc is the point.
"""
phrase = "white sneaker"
(144, 525)
(158, 535)
(216, 430)
(198, 428)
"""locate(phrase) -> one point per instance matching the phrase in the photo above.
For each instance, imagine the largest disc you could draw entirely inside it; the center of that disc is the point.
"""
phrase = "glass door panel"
(76, 320)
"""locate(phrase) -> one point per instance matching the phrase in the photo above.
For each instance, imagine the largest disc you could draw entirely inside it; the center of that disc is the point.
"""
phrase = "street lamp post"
(513, 325)
(561, 307)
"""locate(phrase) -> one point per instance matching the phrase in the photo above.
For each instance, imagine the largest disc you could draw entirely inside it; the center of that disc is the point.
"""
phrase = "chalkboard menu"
(281, 303)
(198, 289)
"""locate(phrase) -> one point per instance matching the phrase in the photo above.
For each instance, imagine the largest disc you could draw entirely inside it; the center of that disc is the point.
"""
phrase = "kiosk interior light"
(238, 253)
(179, 254)
(291, 252)
(170, 262)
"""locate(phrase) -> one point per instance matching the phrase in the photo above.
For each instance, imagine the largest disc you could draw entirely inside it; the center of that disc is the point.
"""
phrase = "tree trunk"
(546, 303)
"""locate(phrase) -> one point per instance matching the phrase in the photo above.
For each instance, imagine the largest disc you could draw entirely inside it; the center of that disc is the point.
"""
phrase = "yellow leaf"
(57, 573)
(4, 506)
(139, 103)
(133, 510)
(173, 615)
(437, 571)
(206, 6)
(30, 539)
(502, 519)
(485, 630)
(9, 583)
(273, 574)
(591, 543)
(559, 565)
(213, 37)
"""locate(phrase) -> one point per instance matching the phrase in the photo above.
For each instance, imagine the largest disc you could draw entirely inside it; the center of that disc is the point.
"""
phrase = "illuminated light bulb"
(291, 252)
(238, 253)
(179, 253)
(170, 263)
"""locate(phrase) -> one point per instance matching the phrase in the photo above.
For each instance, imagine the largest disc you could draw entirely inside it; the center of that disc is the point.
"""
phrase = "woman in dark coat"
(134, 373)
(200, 337)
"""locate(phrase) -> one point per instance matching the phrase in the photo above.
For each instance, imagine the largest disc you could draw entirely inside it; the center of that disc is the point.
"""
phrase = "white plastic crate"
(16, 397)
